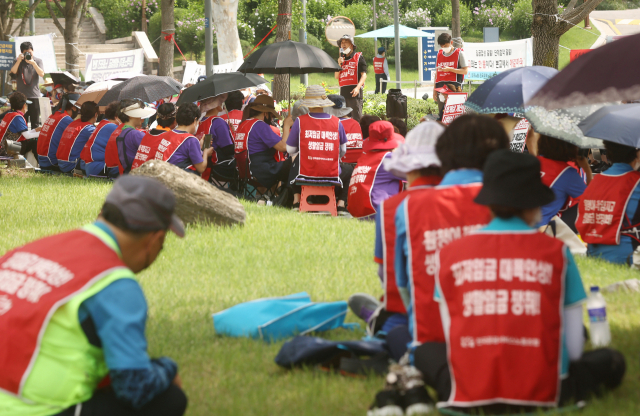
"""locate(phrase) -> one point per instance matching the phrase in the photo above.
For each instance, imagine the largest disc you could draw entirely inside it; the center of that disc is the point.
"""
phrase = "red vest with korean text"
(68, 139)
(349, 72)
(603, 205)
(37, 279)
(434, 218)
(49, 127)
(504, 292)
(319, 149)
(354, 140)
(361, 184)
(378, 65)
(111, 158)
(160, 147)
(391, 299)
(550, 170)
(87, 150)
(235, 117)
(447, 61)
(242, 134)
(6, 122)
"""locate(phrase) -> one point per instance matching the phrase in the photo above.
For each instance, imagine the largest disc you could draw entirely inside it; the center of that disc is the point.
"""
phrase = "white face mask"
(346, 51)
(447, 50)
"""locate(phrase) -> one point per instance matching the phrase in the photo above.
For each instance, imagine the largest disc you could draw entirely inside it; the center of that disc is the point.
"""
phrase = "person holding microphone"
(352, 76)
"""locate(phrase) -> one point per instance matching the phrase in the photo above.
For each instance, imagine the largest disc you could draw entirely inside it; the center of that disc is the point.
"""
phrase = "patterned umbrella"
(615, 123)
(563, 124)
(148, 89)
(508, 91)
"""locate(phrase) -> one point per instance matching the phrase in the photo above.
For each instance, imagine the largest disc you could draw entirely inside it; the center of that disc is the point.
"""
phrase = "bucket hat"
(382, 137)
(213, 102)
(264, 104)
(298, 110)
(347, 37)
(316, 96)
(513, 180)
(139, 110)
(417, 152)
(339, 108)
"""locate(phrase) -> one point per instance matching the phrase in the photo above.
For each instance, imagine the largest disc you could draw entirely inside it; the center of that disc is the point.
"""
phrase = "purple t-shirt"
(220, 134)
(261, 138)
(132, 139)
(189, 151)
(294, 134)
(385, 185)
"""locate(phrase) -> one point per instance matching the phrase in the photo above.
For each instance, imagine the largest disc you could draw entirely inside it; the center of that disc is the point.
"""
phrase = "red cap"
(382, 137)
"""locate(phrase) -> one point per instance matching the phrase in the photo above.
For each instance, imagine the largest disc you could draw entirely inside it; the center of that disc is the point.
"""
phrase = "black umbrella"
(289, 57)
(148, 89)
(218, 84)
(63, 78)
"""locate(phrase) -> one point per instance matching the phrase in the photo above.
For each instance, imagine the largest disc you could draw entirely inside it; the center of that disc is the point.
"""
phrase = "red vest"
(504, 292)
(354, 140)
(49, 127)
(111, 158)
(603, 206)
(160, 147)
(37, 279)
(6, 122)
(391, 298)
(235, 117)
(242, 134)
(361, 184)
(349, 72)
(68, 139)
(448, 61)
(434, 218)
(87, 151)
(205, 126)
(550, 170)
(378, 65)
(319, 149)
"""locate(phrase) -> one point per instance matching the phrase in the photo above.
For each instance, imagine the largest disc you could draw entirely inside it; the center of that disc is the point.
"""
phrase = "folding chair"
(248, 186)
(316, 189)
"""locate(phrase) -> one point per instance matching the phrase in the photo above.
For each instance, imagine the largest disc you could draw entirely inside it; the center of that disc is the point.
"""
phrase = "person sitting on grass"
(371, 183)
(93, 153)
(132, 113)
(415, 160)
(223, 162)
(84, 350)
(180, 146)
(165, 119)
(75, 136)
(532, 315)
(52, 129)
(608, 210)
(13, 122)
(317, 142)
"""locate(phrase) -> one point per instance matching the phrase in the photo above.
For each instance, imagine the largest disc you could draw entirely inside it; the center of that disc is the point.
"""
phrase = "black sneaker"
(295, 207)
(417, 402)
(343, 212)
(387, 403)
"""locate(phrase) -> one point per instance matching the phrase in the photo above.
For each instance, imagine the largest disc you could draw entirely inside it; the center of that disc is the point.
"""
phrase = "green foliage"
(618, 5)
(121, 17)
(361, 14)
(521, 18)
(189, 32)
(444, 18)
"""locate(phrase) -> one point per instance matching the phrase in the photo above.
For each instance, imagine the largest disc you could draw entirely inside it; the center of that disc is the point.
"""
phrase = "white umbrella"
(96, 91)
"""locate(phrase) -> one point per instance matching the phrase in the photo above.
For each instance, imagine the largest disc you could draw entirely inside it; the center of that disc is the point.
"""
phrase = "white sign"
(42, 49)
(454, 107)
(100, 66)
(520, 132)
(485, 60)
(230, 67)
(192, 71)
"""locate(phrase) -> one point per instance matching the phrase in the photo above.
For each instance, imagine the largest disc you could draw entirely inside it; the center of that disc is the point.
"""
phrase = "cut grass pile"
(276, 253)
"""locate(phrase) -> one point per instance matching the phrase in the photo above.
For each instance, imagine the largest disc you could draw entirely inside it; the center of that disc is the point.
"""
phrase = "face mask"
(347, 51)
(447, 50)
(49, 89)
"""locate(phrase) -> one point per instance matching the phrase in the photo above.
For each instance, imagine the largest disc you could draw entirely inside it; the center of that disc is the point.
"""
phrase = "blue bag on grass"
(272, 319)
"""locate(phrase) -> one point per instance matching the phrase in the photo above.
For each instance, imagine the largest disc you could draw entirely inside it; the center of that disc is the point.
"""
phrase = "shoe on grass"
(386, 403)
(417, 402)
(363, 305)
(296, 207)
(343, 212)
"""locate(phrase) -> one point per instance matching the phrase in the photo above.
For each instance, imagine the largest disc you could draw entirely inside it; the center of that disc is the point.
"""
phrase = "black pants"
(355, 103)
(595, 371)
(342, 193)
(381, 89)
(172, 402)
(33, 113)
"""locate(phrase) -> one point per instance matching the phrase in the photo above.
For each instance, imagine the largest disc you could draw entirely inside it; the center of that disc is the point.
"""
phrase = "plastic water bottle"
(598, 325)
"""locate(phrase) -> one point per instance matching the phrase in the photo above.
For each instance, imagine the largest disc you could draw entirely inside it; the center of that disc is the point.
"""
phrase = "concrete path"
(619, 22)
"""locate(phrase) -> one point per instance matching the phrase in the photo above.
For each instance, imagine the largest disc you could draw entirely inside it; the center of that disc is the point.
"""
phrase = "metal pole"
(415, 89)
(396, 32)
(304, 78)
(208, 37)
(32, 20)
(375, 40)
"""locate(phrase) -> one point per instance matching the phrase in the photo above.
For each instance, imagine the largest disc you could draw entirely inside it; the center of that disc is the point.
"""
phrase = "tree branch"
(12, 6)
(59, 6)
(577, 14)
(55, 19)
(23, 24)
(570, 6)
(83, 12)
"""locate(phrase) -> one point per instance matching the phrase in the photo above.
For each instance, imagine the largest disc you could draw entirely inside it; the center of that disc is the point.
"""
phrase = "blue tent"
(389, 32)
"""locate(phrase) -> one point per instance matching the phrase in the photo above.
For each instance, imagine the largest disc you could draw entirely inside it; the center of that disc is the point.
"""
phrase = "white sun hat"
(316, 96)
(418, 150)
(139, 110)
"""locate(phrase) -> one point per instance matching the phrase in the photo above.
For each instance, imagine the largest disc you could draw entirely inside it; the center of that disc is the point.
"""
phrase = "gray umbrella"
(563, 124)
(615, 123)
(148, 89)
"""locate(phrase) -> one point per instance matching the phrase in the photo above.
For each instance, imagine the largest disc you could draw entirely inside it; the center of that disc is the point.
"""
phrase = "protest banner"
(192, 70)
(485, 60)
(454, 107)
(520, 132)
(575, 53)
(42, 49)
(101, 66)
(7, 55)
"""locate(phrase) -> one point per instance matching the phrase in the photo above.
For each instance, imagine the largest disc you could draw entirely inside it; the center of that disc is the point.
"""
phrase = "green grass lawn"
(576, 38)
(275, 253)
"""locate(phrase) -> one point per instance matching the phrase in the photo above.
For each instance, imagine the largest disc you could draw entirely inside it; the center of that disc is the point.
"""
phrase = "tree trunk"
(71, 37)
(165, 64)
(144, 16)
(455, 19)
(6, 21)
(22, 29)
(283, 33)
(225, 20)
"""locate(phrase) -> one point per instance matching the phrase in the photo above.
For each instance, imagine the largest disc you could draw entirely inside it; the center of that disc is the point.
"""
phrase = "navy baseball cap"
(381, 49)
(146, 204)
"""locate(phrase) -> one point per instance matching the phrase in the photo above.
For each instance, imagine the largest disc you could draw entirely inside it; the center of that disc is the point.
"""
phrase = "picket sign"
(454, 107)
(520, 132)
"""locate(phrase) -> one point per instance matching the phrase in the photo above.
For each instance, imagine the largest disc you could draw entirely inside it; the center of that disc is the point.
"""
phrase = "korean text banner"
(192, 70)
(7, 55)
(101, 66)
(42, 48)
(485, 60)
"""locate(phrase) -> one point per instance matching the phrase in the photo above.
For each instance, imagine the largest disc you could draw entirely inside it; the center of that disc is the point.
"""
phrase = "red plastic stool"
(308, 190)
